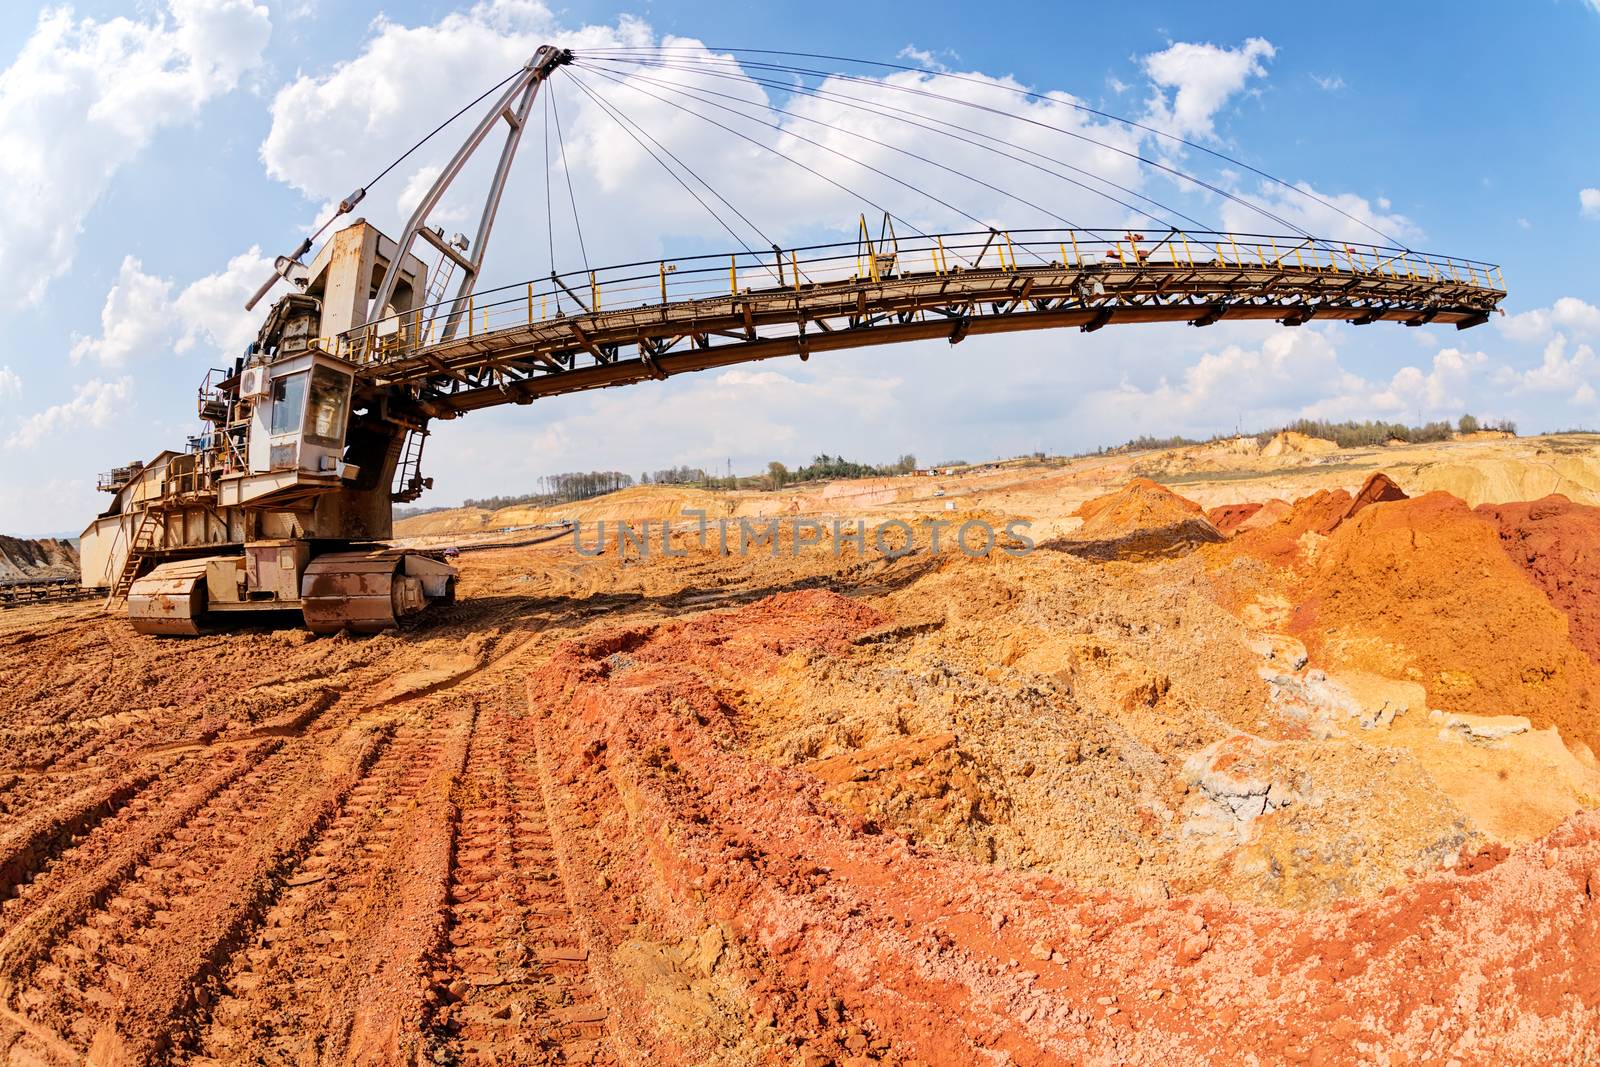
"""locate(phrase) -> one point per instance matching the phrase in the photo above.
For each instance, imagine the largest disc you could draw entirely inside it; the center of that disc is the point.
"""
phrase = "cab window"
(288, 400)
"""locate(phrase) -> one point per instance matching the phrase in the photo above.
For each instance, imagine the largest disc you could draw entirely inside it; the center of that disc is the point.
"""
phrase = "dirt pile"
(1422, 589)
(49, 557)
(1557, 543)
(746, 916)
(1292, 442)
(1141, 520)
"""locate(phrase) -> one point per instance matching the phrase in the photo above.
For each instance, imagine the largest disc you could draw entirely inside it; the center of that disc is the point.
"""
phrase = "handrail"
(630, 287)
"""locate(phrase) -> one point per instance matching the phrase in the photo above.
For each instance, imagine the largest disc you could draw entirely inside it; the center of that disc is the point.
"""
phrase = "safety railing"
(659, 283)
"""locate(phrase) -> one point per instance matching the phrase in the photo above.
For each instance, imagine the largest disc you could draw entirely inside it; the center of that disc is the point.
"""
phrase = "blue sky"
(155, 156)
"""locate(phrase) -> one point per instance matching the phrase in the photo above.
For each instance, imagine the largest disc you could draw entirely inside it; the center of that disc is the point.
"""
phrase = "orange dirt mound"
(1142, 519)
(863, 947)
(1557, 543)
(1421, 588)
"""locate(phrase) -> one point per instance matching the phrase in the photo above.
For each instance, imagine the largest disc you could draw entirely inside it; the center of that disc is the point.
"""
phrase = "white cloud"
(1340, 216)
(1203, 78)
(84, 97)
(1330, 83)
(1523, 223)
(10, 383)
(1577, 317)
(92, 406)
(142, 317)
(1589, 201)
(1573, 376)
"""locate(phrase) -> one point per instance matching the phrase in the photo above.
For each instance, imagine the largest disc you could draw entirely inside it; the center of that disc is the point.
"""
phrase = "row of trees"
(1352, 434)
(1348, 434)
(559, 489)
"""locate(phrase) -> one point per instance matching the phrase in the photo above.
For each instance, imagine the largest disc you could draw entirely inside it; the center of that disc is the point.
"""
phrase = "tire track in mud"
(513, 983)
(278, 997)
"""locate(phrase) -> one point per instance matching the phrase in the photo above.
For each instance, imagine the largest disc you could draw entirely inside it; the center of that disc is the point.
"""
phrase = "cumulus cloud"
(329, 128)
(1286, 375)
(142, 317)
(1589, 203)
(1340, 216)
(1202, 78)
(10, 383)
(93, 405)
(1570, 375)
(84, 97)
(1575, 316)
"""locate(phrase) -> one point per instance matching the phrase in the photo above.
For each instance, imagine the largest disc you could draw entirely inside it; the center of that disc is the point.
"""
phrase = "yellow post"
(794, 269)
(663, 281)
(1501, 272)
(1277, 256)
(941, 261)
(1075, 252)
(530, 303)
(1064, 260)
(594, 293)
(1188, 253)
(1119, 251)
(1013, 250)
(1261, 256)
(733, 275)
(1238, 260)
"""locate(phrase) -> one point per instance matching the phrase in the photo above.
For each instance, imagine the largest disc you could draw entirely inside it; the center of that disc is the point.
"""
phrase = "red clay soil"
(849, 946)
(1227, 517)
(1422, 588)
(1557, 543)
(1273, 531)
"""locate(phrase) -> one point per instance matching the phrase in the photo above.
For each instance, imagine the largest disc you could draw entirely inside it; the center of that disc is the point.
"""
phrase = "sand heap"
(48, 557)
(1290, 443)
(1142, 520)
(1557, 543)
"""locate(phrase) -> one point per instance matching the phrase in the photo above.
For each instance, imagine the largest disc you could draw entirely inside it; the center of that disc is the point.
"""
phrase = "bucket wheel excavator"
(283, 502)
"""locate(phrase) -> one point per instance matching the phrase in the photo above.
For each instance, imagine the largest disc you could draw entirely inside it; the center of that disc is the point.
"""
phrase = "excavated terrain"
(1295, 769)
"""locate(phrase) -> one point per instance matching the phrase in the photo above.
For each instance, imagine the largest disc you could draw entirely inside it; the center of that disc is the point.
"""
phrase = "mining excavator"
(284, 501)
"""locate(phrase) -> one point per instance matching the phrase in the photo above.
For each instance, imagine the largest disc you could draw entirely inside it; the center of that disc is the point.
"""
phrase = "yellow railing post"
(530, 303)
(1277, 255)
(1238, 260)
(1013, 250)
(1188, 253)
(1073, 234)
(794, 268)
(663, 281)
(1065, 262)
(733, 275)
(594, 293)
(942, 262)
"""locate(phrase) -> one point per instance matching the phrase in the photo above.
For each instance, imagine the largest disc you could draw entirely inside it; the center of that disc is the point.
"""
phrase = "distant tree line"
(558, 489)
(1348, 434)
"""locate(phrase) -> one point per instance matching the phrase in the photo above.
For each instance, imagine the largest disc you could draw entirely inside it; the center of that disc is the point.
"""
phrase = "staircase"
(144, 539)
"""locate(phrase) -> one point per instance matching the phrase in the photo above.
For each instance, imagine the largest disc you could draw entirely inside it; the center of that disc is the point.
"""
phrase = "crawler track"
(514, 976)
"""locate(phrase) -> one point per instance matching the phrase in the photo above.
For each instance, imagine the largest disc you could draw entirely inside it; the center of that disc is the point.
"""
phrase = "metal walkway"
(653, 320)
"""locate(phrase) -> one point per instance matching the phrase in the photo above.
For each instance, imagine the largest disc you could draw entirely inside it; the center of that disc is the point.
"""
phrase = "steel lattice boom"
(626, 325)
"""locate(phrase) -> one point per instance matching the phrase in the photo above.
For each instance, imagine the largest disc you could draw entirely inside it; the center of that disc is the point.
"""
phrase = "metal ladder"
(408, 480)
(144, 539)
